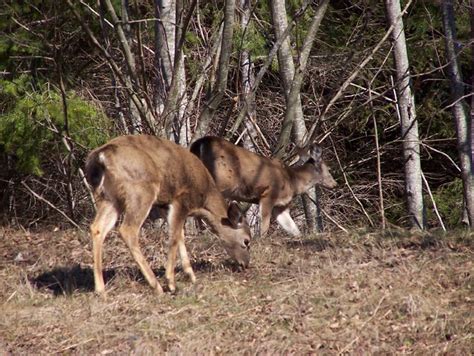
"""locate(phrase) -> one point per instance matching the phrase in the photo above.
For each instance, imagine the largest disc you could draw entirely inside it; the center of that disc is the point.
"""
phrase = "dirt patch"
(392, 292)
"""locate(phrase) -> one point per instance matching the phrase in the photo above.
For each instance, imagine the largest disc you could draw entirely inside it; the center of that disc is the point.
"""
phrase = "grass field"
(359, 293)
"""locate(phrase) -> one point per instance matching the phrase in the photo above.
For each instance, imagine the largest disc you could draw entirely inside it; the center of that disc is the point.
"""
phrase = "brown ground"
(360, 293)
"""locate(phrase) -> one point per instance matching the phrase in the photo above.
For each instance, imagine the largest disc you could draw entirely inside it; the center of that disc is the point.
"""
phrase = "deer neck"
(302, 177)
(214, 211)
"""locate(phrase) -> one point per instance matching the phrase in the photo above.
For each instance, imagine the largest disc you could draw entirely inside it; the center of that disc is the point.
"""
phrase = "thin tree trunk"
(472, 88)
(379, 166)
(165, 40)
(105, 36)
(122, 29)
(409, 124)
(460, 116)
(137, 124)
(265, 66)
(287, 66)
(221, 84)
(182, 123)
(294, 121)
(165, 12)
(298, 78)
(247, 81)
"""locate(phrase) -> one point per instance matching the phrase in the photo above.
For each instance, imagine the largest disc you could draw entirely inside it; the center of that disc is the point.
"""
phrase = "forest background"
(269, 75)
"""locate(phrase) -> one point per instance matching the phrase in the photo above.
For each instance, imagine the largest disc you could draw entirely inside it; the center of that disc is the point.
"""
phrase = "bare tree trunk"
(182, 126)
(221, 84)
(287, 66)
(299, 76)
(247, 81)
(460, 117)
(122, 28)
(294, 120)
(171, 99)
(471, 138)
(105, 37)
(165, 40)
(409, 124)
(137, 124)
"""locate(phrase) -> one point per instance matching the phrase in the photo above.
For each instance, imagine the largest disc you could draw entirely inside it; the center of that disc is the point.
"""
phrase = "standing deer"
(132, 174)
(245, 176)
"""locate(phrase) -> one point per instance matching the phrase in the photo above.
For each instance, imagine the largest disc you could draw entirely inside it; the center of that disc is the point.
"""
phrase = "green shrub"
(32, 123)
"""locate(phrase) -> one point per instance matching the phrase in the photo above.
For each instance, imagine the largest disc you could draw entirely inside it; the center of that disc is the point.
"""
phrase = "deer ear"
(303, 155)
(234, 214)
(316, 152)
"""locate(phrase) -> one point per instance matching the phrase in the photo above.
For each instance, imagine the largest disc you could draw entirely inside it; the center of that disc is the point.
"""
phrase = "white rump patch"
(102, 157)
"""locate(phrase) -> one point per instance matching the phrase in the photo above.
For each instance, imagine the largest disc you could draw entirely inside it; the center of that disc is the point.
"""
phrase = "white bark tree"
(250, 136)
(409, 124)
(292, 85)
(459, 113)
(217, 93)
(137, 124)
(171, 98)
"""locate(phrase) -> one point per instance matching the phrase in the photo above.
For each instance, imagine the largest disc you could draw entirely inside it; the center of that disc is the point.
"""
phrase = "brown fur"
(132, 174)
(246, 176)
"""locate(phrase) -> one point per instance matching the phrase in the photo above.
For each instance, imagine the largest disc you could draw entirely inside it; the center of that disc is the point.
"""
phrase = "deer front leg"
(265, 215)
(284, 219)
(104, 221)
(176, 221)
(187, 268)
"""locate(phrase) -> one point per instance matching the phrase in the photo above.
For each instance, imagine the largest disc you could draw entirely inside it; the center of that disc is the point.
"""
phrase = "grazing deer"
(132, 174)
(245, 176)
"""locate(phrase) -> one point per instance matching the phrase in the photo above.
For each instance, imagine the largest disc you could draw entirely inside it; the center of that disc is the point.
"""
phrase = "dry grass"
(362, 293)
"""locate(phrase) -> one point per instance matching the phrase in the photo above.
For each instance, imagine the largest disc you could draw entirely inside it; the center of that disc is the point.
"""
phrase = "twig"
(364, 324)
(442, 153)
(379, 167)
(10, 297)
(349, 186)
(112, 26)
(36, 195)
(333, 221)
(433, 201)
(370, 91)
(75, 345)
(327, 215)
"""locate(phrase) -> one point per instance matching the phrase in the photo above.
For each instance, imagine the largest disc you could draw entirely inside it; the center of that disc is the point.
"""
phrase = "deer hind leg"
(284, 219)
(176, 220)
(104, 221)
(130, 229)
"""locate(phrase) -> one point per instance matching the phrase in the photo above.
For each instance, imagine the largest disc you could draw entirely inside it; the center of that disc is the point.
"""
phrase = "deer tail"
(95, 168)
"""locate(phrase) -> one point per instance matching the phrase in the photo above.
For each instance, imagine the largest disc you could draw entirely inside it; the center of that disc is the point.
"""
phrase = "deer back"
(239, 173)
(165, 169)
